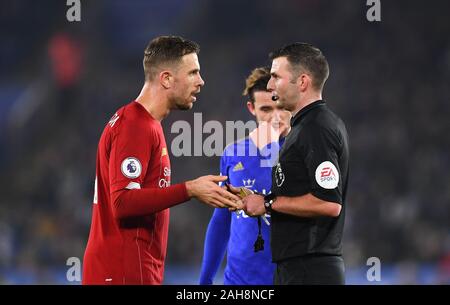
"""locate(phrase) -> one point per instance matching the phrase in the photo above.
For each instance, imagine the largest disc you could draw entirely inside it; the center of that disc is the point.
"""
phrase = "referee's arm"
(320, 142)
(306, 206)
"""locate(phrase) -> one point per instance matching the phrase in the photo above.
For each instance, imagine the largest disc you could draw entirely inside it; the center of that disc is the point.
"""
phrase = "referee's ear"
(304, 82)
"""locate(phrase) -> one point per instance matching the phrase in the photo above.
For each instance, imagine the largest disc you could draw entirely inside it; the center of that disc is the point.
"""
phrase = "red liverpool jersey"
(130, 217)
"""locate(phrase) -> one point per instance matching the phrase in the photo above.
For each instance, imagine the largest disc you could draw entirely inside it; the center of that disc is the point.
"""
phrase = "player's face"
(282, 120)
(187, 82)
(280, 84)
(266, 110)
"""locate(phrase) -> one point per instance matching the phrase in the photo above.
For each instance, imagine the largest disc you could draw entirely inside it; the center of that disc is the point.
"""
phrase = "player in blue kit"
(247, 163)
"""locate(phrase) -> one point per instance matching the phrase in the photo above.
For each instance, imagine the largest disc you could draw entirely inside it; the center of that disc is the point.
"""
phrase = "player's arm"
(141, 202)
(132, 148)
(216, 241)
(217, 235)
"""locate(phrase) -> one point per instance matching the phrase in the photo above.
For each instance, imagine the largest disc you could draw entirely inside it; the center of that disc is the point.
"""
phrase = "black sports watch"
(268, 201)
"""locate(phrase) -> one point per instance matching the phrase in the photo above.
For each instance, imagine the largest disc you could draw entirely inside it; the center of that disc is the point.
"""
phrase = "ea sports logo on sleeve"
(327, 175)
(131, 167)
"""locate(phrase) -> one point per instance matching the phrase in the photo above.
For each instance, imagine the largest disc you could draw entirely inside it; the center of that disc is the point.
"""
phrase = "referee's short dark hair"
(304, 57)
(166, 50)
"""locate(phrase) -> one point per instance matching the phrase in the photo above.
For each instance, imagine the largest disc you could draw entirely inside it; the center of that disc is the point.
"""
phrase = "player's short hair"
(256, 81)
(166, 50)
(305, 58)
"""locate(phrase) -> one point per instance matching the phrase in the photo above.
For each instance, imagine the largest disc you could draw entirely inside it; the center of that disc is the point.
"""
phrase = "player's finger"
(218, 178)
(231, 203)
(229, 195)
(234, 190)
(217, 203)
(225, 193)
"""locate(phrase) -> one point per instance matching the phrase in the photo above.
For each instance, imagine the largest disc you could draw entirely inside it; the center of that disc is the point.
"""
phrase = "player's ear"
(251, 107)
(165, 79)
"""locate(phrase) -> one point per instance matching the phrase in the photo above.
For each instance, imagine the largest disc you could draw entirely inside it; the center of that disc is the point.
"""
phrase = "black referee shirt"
(313, 159)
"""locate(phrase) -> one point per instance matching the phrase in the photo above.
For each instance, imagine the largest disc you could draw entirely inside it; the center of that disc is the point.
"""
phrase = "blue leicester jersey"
(236, 232)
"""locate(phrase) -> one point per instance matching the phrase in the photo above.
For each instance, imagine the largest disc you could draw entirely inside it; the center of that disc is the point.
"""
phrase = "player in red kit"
(133, 192)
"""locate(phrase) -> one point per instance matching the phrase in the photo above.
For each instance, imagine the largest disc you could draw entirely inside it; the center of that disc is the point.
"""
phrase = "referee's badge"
(279, 175)
(131, 167)
(327, 175)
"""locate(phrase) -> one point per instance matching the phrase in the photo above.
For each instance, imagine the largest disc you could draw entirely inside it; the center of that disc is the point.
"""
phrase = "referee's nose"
(271, 84)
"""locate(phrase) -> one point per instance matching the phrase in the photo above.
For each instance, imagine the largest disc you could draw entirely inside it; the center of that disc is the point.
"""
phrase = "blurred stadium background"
(60, 82)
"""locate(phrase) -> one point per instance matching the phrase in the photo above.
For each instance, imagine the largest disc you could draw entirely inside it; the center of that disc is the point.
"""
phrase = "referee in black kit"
(309, 182)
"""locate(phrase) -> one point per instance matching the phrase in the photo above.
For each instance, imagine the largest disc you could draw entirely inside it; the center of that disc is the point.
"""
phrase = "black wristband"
(268, 201)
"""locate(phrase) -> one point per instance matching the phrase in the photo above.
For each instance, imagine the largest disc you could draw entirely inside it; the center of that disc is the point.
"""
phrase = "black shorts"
(310, 270)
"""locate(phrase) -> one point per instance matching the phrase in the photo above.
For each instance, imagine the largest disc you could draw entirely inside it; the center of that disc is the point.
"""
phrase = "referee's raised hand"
(207, 190)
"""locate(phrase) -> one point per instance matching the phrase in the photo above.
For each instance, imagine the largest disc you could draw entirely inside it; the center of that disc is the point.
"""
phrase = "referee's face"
(280, 84)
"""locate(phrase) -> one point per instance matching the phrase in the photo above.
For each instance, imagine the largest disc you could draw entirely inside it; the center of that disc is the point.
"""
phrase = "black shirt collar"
(305, 109)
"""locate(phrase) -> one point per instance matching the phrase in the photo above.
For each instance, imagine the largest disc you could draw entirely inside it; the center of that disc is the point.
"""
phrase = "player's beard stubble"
(180, 103)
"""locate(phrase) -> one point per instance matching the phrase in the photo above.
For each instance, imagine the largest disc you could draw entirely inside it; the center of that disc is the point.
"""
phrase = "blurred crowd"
(60, 82)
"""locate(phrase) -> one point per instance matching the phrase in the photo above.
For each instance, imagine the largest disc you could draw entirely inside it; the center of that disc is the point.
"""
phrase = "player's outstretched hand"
(242, 192)
(205, 189)
(234, 190)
